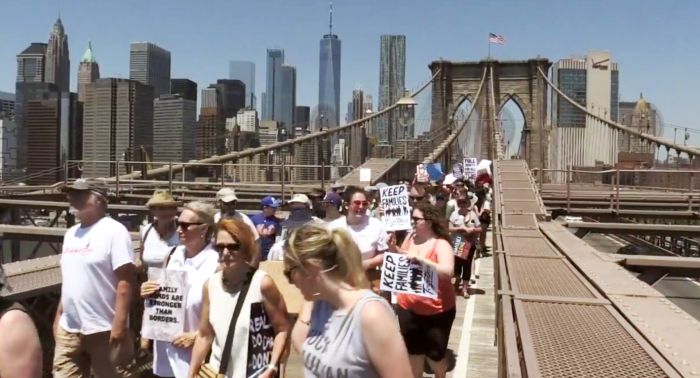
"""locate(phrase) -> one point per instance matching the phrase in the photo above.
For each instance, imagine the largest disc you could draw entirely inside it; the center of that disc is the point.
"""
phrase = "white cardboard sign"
(365, 175)
(470, 167)
(164, 313)
(400, 275)
(397, 211)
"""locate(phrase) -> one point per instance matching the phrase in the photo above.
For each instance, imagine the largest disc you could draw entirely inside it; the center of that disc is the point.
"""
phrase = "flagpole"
(489, 55)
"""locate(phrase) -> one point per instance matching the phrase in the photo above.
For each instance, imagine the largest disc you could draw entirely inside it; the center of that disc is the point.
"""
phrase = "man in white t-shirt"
(227, 199)
(91, 326)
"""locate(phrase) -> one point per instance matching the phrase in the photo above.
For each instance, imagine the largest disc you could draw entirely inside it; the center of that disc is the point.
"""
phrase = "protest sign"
(365, 175)
(484, 166)
(400, 275)
(261, 337)
(469, 167)
(457, 171)
(422, 173)
(164, 313)
(397, 211)
(435, 171)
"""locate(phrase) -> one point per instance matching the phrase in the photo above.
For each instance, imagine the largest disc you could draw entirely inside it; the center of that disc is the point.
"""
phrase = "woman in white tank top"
(262, 326)
(343, 329)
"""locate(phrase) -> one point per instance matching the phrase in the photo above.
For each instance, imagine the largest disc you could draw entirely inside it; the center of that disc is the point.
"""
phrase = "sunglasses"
(360, 203)
(416, 198)
(233, 247)
(185, 226)
(416, 219)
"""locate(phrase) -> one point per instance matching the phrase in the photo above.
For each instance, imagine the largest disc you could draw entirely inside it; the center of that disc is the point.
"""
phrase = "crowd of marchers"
(331, 245)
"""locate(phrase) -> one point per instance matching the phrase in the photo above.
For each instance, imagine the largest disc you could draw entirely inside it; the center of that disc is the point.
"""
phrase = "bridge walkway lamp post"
(406, 112)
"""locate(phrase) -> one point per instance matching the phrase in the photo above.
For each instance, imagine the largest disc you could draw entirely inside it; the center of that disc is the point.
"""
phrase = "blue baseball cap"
(332, 198)
(270, 201)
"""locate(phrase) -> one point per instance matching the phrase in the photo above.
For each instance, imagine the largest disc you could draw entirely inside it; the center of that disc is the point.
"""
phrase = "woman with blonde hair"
(195, 256)
(343, 328)
(246, 298)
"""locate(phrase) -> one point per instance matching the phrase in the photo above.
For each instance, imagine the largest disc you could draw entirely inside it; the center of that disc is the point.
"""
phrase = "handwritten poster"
(457, 171)
(400, 275)
(470, 164)
(365, 175)
(261, 337)
(397, 211)
(164, 313)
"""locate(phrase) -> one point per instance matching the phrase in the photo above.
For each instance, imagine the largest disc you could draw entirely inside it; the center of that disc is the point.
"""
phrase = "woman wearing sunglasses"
(195, 256)
(343, 329)
(262, 310)
(367, 232)
(426, 322)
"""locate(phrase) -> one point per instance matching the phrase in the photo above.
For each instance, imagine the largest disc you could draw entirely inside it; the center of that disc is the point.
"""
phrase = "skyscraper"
(245, 72)
(358, 137)
(302, 117)
(51, 123)
(232, 95)
(174, 119)
(641, 116)
(7, 104)
(287, 98)
(8, 149)
(275, 60)
(88, 71)
(592, 81)
(150, 65)
(392, 75)
(210, 131)
(118, 121)
(329, 77)
(57, 59)
(30, 63)
(30, 69)
(186, 88)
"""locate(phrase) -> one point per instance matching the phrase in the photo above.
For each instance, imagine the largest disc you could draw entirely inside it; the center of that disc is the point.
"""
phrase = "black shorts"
(426, 334)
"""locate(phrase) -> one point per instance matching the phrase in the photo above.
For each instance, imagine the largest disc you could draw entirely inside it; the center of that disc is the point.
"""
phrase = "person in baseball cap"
(227, 199)
(95, 302)
(331, 204)
(267, 224)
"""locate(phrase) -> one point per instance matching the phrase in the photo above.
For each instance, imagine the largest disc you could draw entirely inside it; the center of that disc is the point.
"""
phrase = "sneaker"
(465, 291)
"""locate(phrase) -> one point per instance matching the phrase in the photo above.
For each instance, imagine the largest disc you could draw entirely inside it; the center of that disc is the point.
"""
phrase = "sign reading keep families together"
(401, 275)
(164, 314)
(397, 210)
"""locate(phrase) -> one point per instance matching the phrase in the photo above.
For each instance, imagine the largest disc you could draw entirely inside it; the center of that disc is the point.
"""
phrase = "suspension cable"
(647, 137)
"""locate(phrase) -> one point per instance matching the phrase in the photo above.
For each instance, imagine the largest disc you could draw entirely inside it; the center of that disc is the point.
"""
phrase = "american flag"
(497, 39)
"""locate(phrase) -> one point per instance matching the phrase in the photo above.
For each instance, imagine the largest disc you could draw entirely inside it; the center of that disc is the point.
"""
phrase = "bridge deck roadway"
(564, 309)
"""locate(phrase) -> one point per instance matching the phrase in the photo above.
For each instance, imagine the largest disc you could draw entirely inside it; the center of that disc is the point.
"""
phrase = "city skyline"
(457, 36)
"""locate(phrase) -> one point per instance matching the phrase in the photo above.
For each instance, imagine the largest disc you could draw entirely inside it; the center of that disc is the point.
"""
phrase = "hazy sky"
(650, 39)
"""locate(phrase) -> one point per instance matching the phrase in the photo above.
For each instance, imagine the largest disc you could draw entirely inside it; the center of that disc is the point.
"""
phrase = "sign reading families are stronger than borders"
(164, 313)
(400, 275)
(397, 211)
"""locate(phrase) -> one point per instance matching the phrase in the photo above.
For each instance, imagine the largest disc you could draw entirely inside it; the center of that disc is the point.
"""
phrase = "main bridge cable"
(261, 150)
(450, 139)
(647, 137)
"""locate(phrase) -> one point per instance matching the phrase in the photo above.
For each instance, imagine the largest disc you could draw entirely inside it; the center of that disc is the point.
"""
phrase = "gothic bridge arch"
(512, 80)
